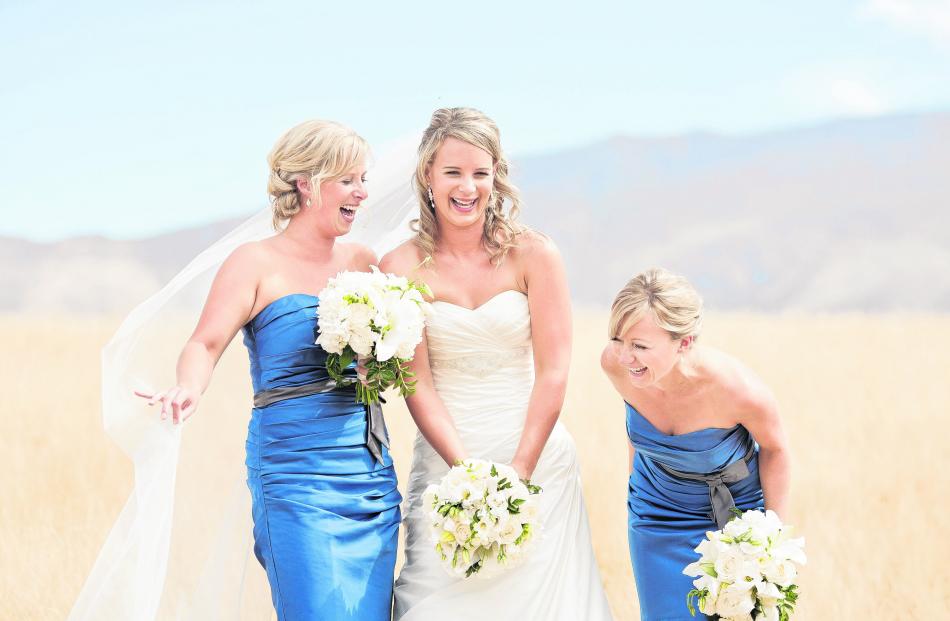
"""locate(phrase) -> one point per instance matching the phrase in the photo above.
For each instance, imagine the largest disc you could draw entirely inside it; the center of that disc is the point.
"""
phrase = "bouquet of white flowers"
(376, 316)
(482, 517)
(747, 570)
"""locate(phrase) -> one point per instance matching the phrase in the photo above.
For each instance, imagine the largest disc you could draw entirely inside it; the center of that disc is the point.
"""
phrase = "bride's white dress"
(483, 370)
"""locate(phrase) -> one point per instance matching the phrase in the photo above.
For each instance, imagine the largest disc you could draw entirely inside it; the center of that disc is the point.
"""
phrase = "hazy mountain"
(847, 215)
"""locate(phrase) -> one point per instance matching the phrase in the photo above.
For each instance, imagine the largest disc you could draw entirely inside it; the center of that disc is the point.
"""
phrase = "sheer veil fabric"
(182, 546)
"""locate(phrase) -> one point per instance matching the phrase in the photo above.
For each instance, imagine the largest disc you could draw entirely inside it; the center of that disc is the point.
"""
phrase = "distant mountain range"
(844, 216)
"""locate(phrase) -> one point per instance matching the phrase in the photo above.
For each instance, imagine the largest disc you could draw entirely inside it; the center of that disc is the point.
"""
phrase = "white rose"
(734, 602)
(509, 532)
(728, 564)
(781, 573)
(332, 342)
(461, 532)
(362, 341)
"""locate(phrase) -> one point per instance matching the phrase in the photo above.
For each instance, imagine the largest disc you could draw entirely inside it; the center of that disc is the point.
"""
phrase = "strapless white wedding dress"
(483, 370)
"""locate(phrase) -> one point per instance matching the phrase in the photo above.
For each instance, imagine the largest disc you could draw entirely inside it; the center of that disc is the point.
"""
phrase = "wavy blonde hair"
(501, 228)
(317, 150)
(674, 302)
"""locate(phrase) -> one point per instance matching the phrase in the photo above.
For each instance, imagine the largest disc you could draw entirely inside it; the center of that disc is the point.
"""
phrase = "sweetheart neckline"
(483, 304)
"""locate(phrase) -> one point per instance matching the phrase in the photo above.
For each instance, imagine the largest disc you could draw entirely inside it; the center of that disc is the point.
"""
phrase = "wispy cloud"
(929, 18)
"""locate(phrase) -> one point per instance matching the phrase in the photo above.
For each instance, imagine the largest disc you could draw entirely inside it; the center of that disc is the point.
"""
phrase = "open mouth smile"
(463, 205)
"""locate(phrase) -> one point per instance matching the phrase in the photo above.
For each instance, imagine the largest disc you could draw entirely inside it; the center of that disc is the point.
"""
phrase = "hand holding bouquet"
(747, 570)
(482, 517)
(376, 316)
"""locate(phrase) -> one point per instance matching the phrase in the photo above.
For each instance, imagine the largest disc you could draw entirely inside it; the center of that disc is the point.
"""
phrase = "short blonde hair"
(675, 304)
(316, 150)
(474, 127)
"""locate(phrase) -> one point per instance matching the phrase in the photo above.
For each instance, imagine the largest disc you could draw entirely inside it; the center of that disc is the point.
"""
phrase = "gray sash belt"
(719, 495)
(376, 436)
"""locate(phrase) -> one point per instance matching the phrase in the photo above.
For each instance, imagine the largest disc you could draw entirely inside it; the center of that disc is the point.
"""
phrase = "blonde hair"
(674, 302)
(474, 127)
(316, 150)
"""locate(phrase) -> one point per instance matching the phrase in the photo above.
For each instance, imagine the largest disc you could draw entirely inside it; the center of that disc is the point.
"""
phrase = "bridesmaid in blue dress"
(705, 436)
(322, 483)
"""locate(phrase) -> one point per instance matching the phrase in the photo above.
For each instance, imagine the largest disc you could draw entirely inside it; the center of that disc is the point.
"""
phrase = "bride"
(491, 372)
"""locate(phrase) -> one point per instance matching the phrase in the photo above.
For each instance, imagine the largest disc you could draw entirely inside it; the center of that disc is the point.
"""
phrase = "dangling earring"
(431, 200)
(308, 202)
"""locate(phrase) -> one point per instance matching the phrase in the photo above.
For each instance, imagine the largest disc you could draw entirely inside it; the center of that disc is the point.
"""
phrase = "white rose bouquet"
(747, 570)
(376, 316)
(482, 518)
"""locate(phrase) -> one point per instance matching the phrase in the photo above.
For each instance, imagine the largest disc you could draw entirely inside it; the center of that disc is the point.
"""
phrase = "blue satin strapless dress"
(668, 516)
(326, 513)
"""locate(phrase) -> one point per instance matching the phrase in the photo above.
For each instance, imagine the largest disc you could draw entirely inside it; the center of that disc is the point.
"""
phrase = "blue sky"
(130, 119)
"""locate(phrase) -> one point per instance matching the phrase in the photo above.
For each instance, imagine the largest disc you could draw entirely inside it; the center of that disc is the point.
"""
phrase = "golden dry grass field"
(864, 398)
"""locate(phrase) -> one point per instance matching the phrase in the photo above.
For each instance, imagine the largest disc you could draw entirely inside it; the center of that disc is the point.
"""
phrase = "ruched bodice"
(701, 452)
(669, 515)
(281, 343)
(483, 371)
(501, 327)
(326, 511)
(481, 358)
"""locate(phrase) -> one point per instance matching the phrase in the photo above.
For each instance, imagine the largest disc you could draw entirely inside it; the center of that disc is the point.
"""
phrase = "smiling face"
(339, 200)
(647, 351)
(461, 177)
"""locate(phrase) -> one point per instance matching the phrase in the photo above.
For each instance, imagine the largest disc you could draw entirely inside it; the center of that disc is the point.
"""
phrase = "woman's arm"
(429, 412)
(426, 407)
(227, 308)
(759, 414)
(550, 307)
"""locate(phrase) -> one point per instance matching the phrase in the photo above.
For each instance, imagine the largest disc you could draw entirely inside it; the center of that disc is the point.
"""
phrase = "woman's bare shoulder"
(404, 259)
(358, 256)
(736, 382)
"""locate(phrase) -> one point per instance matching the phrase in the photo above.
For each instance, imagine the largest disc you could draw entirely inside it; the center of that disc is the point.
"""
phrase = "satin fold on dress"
(326, 510)
(668, 515)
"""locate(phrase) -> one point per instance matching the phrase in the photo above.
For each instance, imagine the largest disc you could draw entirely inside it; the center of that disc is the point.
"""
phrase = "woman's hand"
(523, 472)
(361, 370)
(180, 401)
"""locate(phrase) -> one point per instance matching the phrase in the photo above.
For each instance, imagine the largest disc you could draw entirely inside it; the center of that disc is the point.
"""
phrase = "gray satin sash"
(376, 436)
(719, 495)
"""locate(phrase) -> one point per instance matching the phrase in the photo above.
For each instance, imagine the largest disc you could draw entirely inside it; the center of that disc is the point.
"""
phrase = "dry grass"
(864, 400)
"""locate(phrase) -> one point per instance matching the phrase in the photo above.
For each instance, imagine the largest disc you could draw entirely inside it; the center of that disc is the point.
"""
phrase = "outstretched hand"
(178, 401)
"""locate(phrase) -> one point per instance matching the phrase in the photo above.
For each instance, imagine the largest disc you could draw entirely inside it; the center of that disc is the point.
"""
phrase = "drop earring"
(308, 202)
(431, 200)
